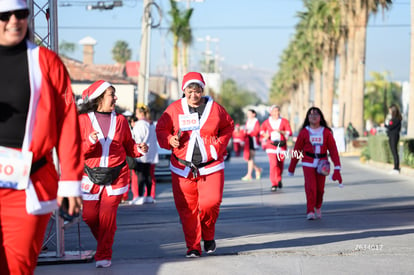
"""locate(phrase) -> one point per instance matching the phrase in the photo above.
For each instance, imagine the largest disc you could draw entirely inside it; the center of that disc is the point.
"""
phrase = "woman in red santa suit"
(106, 141)
(38, 114)
(238, 140)
(275, 132)
(197, 130)
(251, 144)
(314, 141)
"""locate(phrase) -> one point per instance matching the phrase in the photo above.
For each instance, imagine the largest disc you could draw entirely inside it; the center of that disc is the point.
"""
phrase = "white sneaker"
(103, 263)
(133, 201)
(149, 200)
(139, 201)
(310, 216)
(394, 172)
(318, 213)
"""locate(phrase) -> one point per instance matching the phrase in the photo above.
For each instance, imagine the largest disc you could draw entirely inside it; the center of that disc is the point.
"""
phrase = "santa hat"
(95, 90)
(11, 5)
(193, 77)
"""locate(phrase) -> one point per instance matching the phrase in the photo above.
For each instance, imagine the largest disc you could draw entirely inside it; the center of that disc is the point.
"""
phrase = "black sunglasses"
(20, 14)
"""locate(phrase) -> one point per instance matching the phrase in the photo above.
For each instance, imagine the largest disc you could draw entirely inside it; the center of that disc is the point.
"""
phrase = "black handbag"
(103, 175)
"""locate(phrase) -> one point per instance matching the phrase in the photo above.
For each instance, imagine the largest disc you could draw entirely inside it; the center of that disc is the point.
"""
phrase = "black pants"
(144, 178)
(393, 141)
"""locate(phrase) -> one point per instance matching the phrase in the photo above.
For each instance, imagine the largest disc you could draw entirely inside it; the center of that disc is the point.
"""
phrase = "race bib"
(189, 122)
(14, 168)
(316, 139)
(275, 136)
(86, 184)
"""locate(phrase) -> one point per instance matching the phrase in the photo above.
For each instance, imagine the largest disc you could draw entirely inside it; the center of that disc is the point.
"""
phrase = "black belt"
(315, 156)
(37, 165)
(278, 143)
(194, 167)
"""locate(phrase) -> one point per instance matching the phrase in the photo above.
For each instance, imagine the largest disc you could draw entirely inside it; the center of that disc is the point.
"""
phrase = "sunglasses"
(20, 14)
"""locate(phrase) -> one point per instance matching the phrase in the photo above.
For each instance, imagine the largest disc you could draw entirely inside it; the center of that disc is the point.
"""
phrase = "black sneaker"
(193, 254)
(210, 246)
(280, 185)
(274, 188)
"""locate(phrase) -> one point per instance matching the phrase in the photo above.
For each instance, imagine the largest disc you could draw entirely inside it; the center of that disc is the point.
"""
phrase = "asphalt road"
(367, 228)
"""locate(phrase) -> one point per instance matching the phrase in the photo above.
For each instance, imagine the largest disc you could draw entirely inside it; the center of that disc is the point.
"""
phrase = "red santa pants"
(100, 216)
(21, 234)
(198, 204)
(314, 188)
(237, 148)
(275, 168)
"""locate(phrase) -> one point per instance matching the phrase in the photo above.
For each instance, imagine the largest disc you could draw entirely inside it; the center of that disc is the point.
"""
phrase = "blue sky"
(248, 32)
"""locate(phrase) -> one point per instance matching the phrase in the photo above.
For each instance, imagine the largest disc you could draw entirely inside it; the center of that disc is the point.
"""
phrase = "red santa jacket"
(271, 127)
(238, 136)
(314, 141)
(106, 152)
(52, 122)
(215, 130)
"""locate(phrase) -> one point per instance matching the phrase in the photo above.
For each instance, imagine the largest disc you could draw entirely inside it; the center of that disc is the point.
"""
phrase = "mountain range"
(255, 80)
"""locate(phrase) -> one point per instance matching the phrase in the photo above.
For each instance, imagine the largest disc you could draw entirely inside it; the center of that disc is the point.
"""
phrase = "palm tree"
(322, 20)
(120, 52)
(410, 126)
(357, 13)
(66, 47)
(181, 31)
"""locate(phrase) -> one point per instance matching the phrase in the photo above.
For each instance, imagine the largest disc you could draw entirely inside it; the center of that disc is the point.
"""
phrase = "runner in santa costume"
(197, 130)
(251, 143)
(314, 141)
(238, 140)
(37, 115)
(106, 141)
(275, 132)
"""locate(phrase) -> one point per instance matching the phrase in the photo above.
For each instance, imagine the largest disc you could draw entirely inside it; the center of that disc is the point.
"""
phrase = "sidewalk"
(367, 228)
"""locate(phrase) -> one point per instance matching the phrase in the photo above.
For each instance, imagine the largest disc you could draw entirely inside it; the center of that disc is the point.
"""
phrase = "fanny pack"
(324, 167)
(103, 175)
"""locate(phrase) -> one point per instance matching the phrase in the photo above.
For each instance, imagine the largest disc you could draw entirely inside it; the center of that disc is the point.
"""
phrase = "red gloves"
(337, 176)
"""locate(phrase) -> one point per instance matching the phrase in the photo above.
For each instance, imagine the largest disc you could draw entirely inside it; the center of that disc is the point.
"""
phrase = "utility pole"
(143, 77)
(144, 69)
(208, 53)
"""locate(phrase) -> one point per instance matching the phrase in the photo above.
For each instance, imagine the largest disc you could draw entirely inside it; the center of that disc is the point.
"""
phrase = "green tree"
(234, 99)
(181, 31)
(120, 52)
(66, 48)
(380, 94)
(356, 13)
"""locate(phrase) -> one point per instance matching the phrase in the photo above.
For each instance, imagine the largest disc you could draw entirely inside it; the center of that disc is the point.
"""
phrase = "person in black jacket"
(393, 132)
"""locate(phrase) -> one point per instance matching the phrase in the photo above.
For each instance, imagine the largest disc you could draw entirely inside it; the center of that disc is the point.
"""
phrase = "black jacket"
(394, 127)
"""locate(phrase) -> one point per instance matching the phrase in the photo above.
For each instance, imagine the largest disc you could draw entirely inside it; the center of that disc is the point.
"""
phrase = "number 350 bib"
(189, 122)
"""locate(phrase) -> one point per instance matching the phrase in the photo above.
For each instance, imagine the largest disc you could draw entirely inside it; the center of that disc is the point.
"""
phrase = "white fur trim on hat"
(95, 90)
(11, 5)
(100, 90)
(193, 77)
(191, 81)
